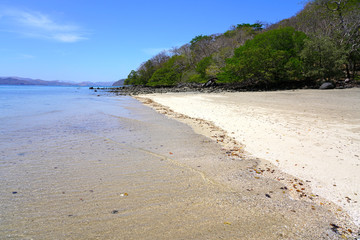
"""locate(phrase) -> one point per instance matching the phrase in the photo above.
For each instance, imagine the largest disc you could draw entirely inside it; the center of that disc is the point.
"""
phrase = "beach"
(309, 134)
(75, 165)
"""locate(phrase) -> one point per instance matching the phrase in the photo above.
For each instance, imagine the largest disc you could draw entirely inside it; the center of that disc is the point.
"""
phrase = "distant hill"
(119, 82)
(29, 81)
(38, 82)
(95, 84)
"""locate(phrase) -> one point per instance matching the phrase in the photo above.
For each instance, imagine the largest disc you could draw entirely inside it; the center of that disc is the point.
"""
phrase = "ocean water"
(45, 129)
(24, 107)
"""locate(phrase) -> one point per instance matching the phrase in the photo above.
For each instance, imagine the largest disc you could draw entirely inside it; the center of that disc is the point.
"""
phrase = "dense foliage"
(170, 73)
(270, 57)
(333, 26)
(320, 43)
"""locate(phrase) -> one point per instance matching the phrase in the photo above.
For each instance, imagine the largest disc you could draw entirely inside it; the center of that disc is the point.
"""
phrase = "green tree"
(270, 57)
(337, 20)
(202, 46)
(256, 26)
(322, 59)
(202, 65)
(145, 72)
(170, 73)
(147, 69)
(345, 29)
(132, 79)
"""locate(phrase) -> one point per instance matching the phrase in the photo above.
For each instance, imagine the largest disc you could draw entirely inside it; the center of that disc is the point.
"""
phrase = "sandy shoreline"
(312, 135)
(120, 170)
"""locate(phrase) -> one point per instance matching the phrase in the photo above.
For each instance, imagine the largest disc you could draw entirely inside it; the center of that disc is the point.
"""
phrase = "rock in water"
(327, 85)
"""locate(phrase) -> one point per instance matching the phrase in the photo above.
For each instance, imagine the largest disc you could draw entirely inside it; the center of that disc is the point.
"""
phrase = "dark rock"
(210, 83)
(189, 85)
(327, 85)
(213, 87)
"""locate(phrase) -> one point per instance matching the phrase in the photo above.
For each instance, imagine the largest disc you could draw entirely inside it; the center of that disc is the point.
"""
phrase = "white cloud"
(38, 25)
(68, 37)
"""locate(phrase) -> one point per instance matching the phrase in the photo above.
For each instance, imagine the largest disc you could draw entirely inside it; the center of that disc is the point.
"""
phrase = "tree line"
(320, 43)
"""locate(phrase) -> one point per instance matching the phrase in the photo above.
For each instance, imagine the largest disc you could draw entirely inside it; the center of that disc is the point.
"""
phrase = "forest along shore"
(312, 135)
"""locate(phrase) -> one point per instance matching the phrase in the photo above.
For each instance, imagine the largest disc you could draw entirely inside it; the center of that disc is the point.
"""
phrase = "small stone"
(334, 227)
(327, 85)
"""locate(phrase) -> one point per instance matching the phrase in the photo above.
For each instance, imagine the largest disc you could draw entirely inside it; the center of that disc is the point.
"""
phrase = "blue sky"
(103, 40)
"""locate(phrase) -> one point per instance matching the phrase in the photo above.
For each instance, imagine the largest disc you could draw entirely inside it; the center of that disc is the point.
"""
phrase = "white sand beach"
(310, 134)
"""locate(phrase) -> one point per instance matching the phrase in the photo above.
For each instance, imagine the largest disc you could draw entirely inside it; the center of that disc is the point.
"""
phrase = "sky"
(103, 40)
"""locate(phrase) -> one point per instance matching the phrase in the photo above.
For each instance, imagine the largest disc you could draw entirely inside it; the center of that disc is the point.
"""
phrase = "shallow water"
(77, 166)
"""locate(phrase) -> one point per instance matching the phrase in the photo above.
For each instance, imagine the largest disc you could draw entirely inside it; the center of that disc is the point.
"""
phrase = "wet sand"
(312, 135)
(141, 175)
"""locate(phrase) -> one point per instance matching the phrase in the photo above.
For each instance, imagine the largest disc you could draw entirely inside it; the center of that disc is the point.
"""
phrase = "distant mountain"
(119, 82)
(29, 81)
(95, 84)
